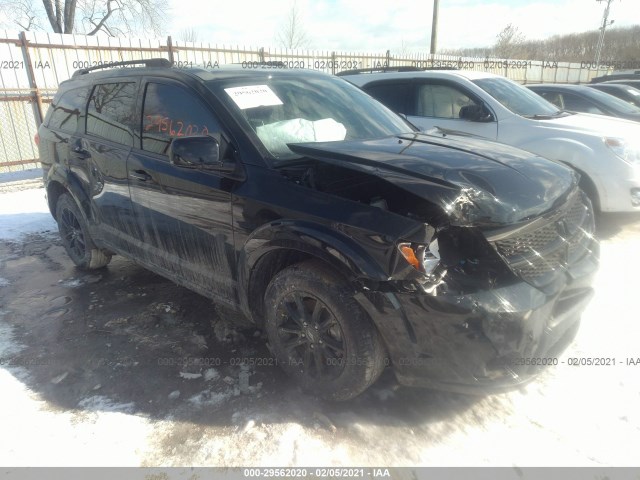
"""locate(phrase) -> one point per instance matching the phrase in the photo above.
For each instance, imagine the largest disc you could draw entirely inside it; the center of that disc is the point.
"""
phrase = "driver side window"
(170, 111)
(441, 101)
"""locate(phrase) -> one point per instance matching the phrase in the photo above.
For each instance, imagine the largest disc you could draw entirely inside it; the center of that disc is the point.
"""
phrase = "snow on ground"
(574, 416)
(92, 436)
(23, 212)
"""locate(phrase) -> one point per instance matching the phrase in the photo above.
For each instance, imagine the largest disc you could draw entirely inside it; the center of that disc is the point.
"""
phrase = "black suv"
(300, 201)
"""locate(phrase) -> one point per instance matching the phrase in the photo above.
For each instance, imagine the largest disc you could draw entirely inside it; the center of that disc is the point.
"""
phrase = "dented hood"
(475, 181)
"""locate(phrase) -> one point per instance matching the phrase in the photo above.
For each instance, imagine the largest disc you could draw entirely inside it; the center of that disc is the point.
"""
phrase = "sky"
(370, 26)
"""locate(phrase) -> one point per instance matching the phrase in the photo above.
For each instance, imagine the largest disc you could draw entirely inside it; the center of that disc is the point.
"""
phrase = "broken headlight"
(424, 258)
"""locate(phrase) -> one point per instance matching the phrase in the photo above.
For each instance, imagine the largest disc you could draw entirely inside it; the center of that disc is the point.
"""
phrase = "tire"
(319, 334)
(75, 236)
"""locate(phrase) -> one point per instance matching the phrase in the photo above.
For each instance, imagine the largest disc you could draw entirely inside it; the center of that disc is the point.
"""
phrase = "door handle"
(81, 152)
(140, 175)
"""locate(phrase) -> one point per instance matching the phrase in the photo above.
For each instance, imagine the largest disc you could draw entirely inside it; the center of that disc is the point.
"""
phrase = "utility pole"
(434, 27)
(603, 29)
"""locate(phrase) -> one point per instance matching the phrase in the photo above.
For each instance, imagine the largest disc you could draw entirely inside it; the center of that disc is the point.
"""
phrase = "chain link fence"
(32, 65)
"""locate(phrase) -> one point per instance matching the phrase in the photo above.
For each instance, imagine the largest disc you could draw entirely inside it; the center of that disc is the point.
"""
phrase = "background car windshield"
(613, 102)
(288, 109)
(516, 98)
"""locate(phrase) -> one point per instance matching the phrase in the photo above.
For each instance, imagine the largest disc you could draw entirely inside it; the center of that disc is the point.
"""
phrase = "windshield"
(517, 98)
(284, 109)
(613, 102)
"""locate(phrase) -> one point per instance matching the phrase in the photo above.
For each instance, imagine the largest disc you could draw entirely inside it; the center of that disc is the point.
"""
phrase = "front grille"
(564, 238)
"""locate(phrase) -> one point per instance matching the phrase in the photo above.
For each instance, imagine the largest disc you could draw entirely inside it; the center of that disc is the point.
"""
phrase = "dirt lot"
(92, 373)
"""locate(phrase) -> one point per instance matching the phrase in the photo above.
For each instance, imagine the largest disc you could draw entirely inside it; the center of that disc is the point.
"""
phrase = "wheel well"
(589, 187)
(268, 266)
(265, 269)
(54, 190)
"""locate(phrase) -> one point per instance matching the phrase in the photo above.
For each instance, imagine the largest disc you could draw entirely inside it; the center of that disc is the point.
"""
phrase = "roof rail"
(149, 62)
(403, 68)
(617, 76)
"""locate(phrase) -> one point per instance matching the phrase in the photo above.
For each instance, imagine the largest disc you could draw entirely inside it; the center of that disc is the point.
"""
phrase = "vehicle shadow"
(609, 225)
(124, 339)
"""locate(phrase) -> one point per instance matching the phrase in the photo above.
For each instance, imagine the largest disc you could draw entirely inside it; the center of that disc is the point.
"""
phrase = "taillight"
(36, 138)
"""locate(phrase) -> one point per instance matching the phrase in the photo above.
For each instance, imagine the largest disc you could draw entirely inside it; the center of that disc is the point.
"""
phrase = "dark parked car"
(581, 98)
(354, 241)
(624, 92)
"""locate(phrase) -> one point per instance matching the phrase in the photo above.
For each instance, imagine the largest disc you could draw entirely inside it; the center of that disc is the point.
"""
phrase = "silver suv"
(605, 151)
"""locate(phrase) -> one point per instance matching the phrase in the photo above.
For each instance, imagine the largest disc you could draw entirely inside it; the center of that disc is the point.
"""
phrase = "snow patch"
(24, 212)
(8, 345)
(104, 404)
(4, 282)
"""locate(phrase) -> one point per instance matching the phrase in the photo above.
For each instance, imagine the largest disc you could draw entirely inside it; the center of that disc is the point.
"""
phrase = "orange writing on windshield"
(173, 127)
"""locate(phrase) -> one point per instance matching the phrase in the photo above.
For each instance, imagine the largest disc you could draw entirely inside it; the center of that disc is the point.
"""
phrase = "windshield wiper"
(559, 113)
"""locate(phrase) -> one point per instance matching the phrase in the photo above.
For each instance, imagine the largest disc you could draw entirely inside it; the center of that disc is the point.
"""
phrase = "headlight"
(424, 258)
(626, 151)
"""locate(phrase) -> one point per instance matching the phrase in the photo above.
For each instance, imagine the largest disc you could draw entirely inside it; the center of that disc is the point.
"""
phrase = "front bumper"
(483, 342)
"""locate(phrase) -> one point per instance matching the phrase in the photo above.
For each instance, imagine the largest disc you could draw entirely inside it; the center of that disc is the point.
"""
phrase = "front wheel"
(319, 334)
(75, 236)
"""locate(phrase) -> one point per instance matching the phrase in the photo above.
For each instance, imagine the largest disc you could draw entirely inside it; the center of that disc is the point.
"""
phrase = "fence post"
(261, 54)
(333, 63)
(36, 101)
(170, 48)
(388, 60)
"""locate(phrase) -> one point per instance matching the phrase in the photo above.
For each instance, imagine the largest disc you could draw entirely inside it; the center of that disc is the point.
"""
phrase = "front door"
(185, 213)
(438, 104)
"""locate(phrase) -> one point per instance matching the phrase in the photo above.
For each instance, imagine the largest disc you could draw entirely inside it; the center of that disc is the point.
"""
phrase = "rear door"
(185, 213)
(103, 151)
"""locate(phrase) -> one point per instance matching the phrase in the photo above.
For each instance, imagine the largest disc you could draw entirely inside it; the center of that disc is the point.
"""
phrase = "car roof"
(205, 74)
(619, 86)
(365, 78)
(559, 86)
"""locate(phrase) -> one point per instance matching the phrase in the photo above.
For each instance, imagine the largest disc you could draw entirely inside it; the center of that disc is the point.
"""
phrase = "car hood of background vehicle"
(505, 185)
(598, 125)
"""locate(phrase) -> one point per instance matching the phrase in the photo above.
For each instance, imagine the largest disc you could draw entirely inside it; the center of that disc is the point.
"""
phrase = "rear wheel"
(75, 236)
(319, 334)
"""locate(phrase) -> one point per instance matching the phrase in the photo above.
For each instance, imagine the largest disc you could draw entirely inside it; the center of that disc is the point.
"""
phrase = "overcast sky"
(369, 25)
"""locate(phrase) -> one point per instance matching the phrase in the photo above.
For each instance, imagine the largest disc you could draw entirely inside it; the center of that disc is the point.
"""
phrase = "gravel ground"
(90, 375)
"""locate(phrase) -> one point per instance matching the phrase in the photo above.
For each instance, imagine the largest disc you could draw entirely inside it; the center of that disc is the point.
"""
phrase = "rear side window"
(171, 111)
(111, 111)
(65, 113)
(393, 95)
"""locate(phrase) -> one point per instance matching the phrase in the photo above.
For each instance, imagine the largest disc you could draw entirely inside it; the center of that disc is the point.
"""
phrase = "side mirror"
(201, 152)
(475, 113)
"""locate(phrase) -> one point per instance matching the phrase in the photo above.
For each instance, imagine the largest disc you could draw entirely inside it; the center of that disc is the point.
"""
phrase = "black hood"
(475, 181)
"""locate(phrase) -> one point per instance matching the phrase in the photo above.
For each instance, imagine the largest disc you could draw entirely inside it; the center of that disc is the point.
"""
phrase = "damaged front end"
(485, 291)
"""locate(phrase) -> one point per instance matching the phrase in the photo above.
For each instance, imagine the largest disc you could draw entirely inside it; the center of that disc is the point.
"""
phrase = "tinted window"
(67, 110)
(441, 101)
(553, 97)
(110, 112)
(393, 95)
(575, 103)
(171, 111)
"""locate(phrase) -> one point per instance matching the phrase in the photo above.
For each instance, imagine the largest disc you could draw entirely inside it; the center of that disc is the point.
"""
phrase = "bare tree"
(113, 17)
(189, 35)
(292, 33)
(24, 13)
(404, 51)
(509, 42)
